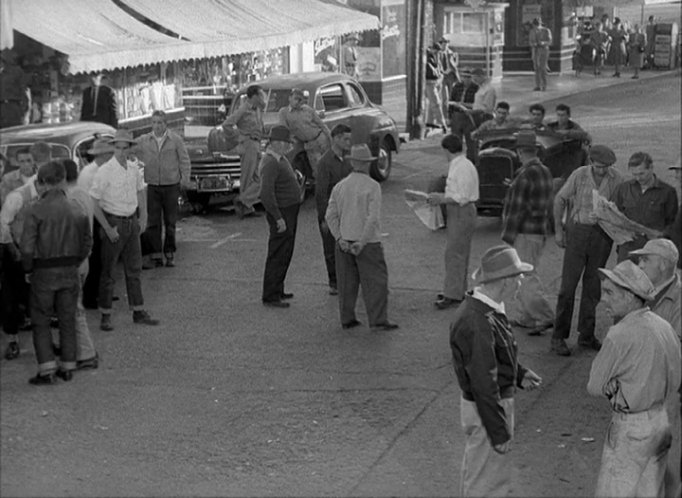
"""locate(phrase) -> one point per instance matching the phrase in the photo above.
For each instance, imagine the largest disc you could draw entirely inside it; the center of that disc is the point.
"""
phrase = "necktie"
(95, 91)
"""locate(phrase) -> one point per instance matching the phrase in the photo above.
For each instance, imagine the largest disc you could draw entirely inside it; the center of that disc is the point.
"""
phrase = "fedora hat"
(659, 247)
(279, 133)
(628, 275)
(101, 146)
(500, 262)
(360, 152)
(123, 135)
(526, 139)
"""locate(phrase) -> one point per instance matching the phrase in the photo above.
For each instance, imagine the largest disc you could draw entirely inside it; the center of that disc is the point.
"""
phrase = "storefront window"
(393, 37)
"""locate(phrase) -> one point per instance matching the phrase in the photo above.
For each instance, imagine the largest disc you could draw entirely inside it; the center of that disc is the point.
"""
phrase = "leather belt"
(120, 217)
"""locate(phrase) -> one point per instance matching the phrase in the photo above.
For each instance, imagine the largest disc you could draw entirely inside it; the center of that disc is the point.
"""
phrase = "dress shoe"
(105, 323)
(590, 343)
(89, 364)
(57, 350)
(275, 304)
(333, 291)
(559, 347)
(142, 317)
(65, 375)
(43, 380)
(350, 325)
(12, 351)
(540, 329)
(170, 260)
(287, 295)
(385, 326)
(446, 303)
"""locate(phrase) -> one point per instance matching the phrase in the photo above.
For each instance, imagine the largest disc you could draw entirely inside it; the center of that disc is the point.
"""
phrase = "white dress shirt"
(115, 187)
(462, 182)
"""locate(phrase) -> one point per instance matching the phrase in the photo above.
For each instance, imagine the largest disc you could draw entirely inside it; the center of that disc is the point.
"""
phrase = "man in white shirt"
(118, 191)
(353, 216)
(461, 194)
(102, 151)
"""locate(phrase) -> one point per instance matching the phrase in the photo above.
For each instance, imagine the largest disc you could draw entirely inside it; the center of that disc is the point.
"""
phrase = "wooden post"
(415, 68)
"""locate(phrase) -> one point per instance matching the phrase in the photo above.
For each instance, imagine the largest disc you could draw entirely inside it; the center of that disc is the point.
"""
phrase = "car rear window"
(57, 151)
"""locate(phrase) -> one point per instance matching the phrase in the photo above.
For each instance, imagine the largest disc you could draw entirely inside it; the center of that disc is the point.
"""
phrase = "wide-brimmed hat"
(360, 152)
(123, 135)
(500, 262)
(659, 247)
(628, 275)
(526, 139)
(280, 133)
(602, 154)
(101, 146)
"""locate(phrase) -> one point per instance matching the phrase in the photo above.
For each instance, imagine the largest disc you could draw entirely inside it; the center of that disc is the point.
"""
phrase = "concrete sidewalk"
(517, 89)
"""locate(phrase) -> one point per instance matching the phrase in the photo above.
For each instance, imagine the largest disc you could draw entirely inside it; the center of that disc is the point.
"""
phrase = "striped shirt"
(577, 193)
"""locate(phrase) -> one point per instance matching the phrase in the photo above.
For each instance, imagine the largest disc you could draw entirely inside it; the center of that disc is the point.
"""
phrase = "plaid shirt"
(463, 95)
(528, 206)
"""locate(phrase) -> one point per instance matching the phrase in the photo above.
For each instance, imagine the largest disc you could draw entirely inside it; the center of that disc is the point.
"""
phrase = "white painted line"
(225, 240)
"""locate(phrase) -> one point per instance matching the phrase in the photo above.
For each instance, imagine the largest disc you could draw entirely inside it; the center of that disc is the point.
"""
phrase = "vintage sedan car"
(336, 97)
(66, 140)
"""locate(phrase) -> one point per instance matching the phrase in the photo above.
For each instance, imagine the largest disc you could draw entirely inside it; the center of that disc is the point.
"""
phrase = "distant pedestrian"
(637, 49)
(102, 150)
(540, 39)
(481, 111)
(619, 42)
(587, 246)
(526, 218)
(350, 56)
(461, 194)
(120, 207)
(281, 198)
(248, 120)
(638, 370)
(448, 63)
(485, 358)
(86, 354)
(55, 241)
(332, 168)
(462, 97)
(99, 102)
(434, 83)
(600, 40)
(166, 170)
(306, 127)
(353, 217)
(646, 200)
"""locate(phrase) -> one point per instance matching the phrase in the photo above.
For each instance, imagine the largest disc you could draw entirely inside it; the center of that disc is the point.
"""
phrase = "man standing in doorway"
(99, 102)
(248, 120)
(166, 169)
(540, 39)
(350, 56)
(332, 168)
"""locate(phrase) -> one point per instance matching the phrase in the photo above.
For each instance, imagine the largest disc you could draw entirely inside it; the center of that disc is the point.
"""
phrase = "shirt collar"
(663, 285)
(498, 307)
(273, 154)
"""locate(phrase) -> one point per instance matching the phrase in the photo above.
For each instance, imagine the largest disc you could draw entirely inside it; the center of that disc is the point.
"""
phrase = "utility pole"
(415, 68)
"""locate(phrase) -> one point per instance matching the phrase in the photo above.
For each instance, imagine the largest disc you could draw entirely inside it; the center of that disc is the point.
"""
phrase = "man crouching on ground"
(484, 354)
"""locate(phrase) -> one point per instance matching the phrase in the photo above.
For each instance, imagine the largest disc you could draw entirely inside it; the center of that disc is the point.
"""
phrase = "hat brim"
(99, 152)
(604, 273)
(479, 278)
(127, 140)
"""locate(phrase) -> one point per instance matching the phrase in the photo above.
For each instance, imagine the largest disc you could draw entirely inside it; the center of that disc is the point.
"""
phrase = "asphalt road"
(228, 398)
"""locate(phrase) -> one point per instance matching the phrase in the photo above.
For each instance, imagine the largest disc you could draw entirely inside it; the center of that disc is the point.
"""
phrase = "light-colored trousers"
(434, 110)
(540, 58)
(85, 348)
(460, 230)
(635, 455)
(249, 178)
(484, 471)
(530, 308)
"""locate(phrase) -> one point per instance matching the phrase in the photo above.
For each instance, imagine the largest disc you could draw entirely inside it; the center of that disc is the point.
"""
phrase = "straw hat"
(123, 135)
(631, 277)
(500, 262)
(360, 152)
(101, 146)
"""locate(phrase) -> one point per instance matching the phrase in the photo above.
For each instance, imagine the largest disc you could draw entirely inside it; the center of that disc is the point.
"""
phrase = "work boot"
(559, 347)
(105, 323)
(143, 318)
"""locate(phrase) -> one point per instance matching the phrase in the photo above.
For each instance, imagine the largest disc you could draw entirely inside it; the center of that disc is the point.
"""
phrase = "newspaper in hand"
(616, 225)
(429, 215)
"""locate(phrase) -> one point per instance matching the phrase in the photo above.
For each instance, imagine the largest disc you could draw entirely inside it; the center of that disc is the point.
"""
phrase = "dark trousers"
(623, 250)
(54, 290)
(128, 249)
(15, 292)
(280, 251)
(329, 248)
(367, 270)
(91, 285)
(587, 249)
(162, 206)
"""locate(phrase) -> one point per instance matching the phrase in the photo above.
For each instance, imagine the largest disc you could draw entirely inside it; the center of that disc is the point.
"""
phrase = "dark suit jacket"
(106, 106)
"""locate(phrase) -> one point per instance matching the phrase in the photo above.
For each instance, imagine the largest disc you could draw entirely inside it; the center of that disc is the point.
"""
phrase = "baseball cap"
(660, 247)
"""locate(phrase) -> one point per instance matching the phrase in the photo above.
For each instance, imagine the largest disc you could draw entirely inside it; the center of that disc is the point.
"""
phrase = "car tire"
(381, 168)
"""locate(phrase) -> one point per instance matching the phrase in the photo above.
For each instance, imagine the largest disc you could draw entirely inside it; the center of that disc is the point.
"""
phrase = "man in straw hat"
(587, 246)
(353, 219)
(281, 197)
(484, 354)
(102, 150)
(525, 225)
(118, 191)
(638, 370)
(658, 259)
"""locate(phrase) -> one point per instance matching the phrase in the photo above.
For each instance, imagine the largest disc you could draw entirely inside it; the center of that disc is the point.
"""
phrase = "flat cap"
(602, 154)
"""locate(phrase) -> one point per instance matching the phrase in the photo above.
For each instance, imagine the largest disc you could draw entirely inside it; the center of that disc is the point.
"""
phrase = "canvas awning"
(98, 34)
